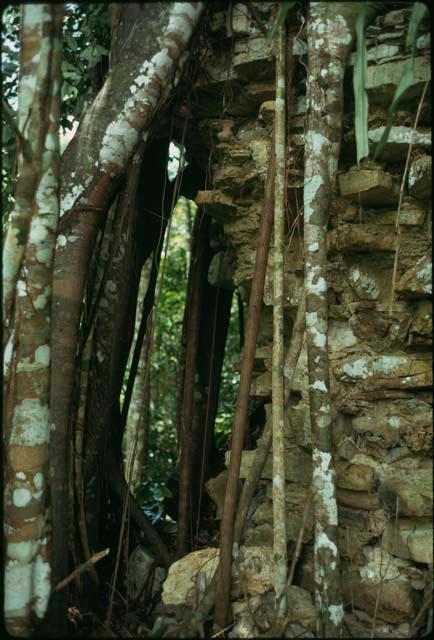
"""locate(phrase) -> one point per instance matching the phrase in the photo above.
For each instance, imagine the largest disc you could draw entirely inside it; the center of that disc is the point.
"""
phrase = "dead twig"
(86, 566)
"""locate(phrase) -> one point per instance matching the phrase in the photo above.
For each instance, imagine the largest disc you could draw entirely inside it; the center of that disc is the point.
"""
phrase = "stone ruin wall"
(380, 363)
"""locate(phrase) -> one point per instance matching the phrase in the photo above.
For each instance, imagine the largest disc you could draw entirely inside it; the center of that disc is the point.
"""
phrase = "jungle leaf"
(359, 84)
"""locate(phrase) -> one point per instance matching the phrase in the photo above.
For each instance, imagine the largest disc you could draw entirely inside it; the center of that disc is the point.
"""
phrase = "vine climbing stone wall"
(380, 362)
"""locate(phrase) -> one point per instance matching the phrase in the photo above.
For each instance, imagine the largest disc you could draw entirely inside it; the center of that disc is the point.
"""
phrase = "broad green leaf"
(359, 84)
(418, 12)
(407, 77)
(280, 18)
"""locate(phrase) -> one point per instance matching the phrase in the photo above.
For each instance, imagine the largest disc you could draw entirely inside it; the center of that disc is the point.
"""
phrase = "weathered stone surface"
(377, 54)
(411, 539)
(220, 272)
(252, 58)
(370, 187)
(409, 492)
(412, 213)
(252, 569)
(417, 282)
(358, 499)
(140, 565)
(266, 112)
(361, 237)
(398, 141)
(356, 477)
(360, 626)
(216, 488)
(420, 331)
(420, 178)
(381, 571)
(216, 204)
(406, 371)
(382, 80)
(300, 607)
(298, 465)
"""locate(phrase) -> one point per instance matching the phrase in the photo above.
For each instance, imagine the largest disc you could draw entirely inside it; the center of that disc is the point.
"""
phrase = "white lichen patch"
(311, 318)
(356, 369)
(318, 287)
(30, 423)
(319, 385)
(319, 338)
(23, 551)
(7, 354)
(364, 285)
(388, 364)
(310, 189)
(394, 422)
(336, 612)
(21, 497)
(17, 584)
(323, 484)
(42, 355)
(313, 247)
(41, 585)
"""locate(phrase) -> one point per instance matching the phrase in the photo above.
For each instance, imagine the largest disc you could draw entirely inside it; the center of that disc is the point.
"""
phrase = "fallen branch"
(86, 566)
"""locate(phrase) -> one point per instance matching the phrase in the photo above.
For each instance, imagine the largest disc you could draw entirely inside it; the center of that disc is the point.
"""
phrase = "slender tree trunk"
(188, 433)
(330, 36)
(28, 564)
(241, 411)
(138, 414)
(279, 504)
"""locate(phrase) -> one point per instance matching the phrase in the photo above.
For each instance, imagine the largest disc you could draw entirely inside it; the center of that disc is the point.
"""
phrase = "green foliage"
(407, 78)
(86, 45)
(359, 84)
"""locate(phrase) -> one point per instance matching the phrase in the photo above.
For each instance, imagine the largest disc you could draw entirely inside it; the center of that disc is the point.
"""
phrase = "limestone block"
(358, 499)
(259, 92)
(300, 607)
(417, 281)
(381, 571)
(389, 371)
(420, 177)
(351, 542)
(140, 565)
(253, 568)
(356, 477)
(410, 539)
(398, 142)
(218, 205)
(420, 331)
(298, 465)
(372, 187)
(294, 517)
(371, 522)
(382, 79)
(412, 213)
(361, 237)
(252, 59)
(381, 52)
(408, 492)
(216, 488)
(359, 625)
(266, 112)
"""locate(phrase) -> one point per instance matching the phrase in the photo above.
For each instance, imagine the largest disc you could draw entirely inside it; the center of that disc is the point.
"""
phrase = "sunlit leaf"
(359, 84)
(418, 12)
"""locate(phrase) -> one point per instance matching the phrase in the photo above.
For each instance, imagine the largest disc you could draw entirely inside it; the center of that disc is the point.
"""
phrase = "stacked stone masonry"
(381, 372)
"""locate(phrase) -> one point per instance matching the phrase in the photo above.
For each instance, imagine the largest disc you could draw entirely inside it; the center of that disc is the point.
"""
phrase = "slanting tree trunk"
(330, 36)
(223, 588)
(279, 504)
(138, 84)
(27, 553)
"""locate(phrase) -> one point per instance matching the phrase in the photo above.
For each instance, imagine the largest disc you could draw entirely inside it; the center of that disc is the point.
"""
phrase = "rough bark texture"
(28, 562)
(105, 142)
(279, 506)
(330, 35)
(241, 410)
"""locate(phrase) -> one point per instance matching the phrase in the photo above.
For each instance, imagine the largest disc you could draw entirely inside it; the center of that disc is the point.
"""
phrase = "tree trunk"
(28, 564)
(279, 504)
(330, 35)
(137, 85)
(241, 411)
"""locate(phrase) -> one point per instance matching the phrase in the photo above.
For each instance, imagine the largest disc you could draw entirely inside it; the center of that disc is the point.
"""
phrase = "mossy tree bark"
(330, 36)
(29, 556)
(279, 505)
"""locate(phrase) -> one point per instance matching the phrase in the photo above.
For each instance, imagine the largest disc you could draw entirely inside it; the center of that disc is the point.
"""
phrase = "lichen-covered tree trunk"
(27, 531)
(330, 35)
(279, 506)
(141, 77)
